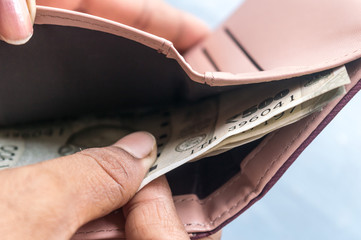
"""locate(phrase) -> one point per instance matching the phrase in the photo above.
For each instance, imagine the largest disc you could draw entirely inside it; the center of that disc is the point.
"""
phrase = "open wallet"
(78, 64)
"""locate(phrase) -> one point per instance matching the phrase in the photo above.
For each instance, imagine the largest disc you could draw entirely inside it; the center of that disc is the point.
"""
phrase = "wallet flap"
(262, 41)
(267, 40)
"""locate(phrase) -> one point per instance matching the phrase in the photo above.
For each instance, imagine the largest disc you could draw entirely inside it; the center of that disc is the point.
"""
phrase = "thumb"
(104, 179)
(61, 195)
(16, 20)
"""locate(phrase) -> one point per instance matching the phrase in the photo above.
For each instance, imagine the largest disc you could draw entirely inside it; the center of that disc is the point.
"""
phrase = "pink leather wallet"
(77, 64)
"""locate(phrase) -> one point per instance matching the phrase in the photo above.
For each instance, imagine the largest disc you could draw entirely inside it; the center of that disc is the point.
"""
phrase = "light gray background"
(319, 196)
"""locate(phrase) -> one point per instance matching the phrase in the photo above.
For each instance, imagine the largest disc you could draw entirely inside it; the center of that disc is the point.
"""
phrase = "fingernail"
(16, 26)
(139, 145)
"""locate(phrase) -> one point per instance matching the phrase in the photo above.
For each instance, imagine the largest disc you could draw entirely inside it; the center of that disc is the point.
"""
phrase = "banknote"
(233, 113)
(283, 119)
(184, 132)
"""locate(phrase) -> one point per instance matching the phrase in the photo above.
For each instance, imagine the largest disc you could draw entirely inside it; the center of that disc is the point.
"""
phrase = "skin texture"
(152, 213)
(52, 199)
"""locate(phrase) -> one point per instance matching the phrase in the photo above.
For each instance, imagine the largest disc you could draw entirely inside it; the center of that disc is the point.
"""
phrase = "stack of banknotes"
(186, 132)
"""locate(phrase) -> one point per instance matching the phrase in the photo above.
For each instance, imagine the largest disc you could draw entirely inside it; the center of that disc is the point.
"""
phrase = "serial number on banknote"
(260, 110)
(33, 133)
(7, 152)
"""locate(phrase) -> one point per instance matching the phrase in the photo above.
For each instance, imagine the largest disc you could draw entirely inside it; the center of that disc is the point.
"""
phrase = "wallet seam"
(212, 221)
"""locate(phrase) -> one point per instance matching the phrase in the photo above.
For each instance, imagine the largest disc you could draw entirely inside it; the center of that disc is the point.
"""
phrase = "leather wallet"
(77, 64)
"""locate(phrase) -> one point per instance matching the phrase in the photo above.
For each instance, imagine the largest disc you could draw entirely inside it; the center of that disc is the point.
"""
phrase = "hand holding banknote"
(51, 200)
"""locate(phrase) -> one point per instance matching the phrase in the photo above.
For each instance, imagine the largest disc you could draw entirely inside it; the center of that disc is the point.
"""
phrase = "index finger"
(151, 214)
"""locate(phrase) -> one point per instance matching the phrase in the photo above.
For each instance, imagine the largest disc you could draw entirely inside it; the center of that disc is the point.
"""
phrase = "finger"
(153, 16)
(151, 214)
(16, 25)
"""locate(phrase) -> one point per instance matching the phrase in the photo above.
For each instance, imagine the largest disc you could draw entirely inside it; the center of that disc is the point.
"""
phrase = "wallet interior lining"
(207, 175)
(98, 72)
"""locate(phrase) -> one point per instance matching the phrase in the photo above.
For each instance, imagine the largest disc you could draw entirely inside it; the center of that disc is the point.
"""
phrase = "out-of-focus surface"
(319, 196)
(213, 12)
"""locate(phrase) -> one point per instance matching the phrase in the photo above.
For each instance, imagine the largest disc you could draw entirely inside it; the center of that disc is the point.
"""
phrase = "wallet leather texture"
(85, 62)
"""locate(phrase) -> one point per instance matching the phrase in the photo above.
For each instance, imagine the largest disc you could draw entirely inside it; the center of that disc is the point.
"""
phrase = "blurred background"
(319, 197)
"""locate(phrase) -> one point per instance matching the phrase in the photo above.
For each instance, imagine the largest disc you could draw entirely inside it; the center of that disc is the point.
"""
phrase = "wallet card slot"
(240, 46)
(223, 52)
(202, 61)
(210, 59)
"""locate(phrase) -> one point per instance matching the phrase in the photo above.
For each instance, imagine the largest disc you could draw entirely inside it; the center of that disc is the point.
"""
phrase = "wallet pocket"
(219, 189)
(263, 165)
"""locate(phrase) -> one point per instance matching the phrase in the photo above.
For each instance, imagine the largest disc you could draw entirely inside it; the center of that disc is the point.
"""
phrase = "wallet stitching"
(211, 222)
(212, 79)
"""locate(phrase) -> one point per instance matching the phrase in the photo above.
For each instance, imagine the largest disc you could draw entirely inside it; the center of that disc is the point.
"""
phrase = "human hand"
(154, 16)
(151, 214)
(52, 199)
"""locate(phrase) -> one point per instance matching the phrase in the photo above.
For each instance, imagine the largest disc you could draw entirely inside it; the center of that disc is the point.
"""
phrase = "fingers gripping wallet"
(78, 64)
